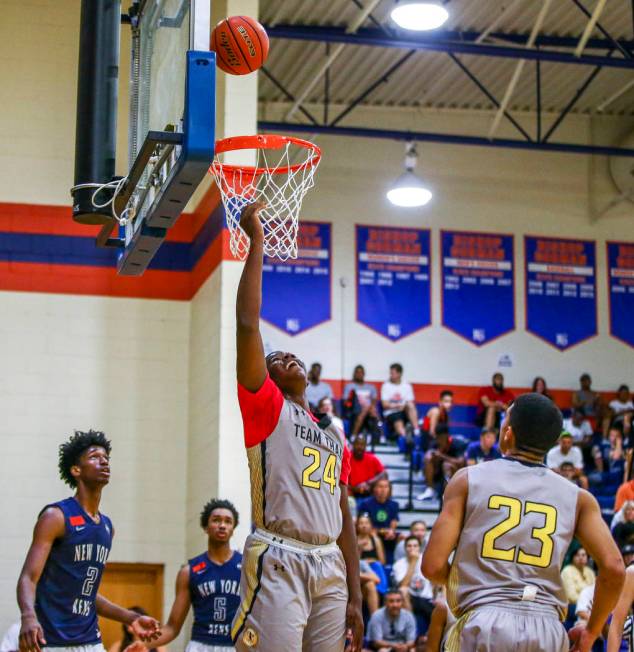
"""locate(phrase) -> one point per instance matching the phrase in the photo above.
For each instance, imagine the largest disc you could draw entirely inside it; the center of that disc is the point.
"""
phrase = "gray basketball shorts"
(293, 597)
(503, 627)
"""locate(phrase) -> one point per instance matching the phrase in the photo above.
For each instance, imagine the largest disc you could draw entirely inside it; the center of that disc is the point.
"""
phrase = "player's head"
(393, 603)
(358, 446)
(488, 437)
(287, 371)
(498, 381)
(381, 490)
(446, 399)
(219, 519)
(358, 375)
(532, 425)
(85, 459)
(396, 372)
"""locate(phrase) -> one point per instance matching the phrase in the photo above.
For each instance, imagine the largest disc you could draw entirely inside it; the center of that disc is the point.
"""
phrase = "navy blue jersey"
(215, 594)
(66, 592)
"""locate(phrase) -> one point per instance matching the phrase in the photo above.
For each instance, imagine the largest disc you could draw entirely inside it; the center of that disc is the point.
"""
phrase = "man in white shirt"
(399, 405)
(566, 452)
(579, 427)
(622, 408)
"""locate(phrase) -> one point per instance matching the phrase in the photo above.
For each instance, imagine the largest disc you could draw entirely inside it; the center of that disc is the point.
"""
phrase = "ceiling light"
(419, 16)
(409, 191)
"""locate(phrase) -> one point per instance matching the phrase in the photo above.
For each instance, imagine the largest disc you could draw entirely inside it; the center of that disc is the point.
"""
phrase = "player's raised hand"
(354, 627)
(31, 635)
(250, 221)
(146, 628)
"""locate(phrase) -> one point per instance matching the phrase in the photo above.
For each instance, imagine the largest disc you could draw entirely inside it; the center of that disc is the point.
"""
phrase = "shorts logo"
(250, 637)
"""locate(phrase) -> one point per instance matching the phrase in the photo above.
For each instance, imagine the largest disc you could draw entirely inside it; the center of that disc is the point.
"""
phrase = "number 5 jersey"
(519, 521)
(67, 590)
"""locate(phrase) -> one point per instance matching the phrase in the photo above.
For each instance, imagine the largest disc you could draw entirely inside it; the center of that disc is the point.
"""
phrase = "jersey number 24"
(329, 475)
(516, 511)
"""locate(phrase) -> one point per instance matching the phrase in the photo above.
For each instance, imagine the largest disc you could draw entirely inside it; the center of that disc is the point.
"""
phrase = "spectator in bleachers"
(608, 454)
(316, 388)
(438, 414)
(369, 581)
(365, 469)
(540, 387)
(623, 531)
(326, 408)
(399, 404)
(568, 471)
(579, 427)
(576, 576)
(493, 401)
(484, 450)
(417, 529)
(416, 589)
(370, 544)
(360, 404)
(586, 398)
(441, 462)
(623, 493)
(566, 452)
(392, 628)
(622, 409)
(383, 513)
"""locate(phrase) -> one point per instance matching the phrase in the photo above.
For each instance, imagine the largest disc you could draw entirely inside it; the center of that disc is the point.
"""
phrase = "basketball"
(241, 45)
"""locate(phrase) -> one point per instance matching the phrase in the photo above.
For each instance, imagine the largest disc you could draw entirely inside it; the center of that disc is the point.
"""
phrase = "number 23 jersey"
(295, 466)
(519, 521)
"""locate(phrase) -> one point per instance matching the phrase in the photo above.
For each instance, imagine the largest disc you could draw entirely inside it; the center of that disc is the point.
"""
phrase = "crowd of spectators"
(401, 605)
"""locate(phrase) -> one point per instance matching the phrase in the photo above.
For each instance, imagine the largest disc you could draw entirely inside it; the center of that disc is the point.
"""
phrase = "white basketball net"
(280, 184)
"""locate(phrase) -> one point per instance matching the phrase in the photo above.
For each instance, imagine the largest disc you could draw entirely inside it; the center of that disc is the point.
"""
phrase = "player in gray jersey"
(509, 523)
(299, 586)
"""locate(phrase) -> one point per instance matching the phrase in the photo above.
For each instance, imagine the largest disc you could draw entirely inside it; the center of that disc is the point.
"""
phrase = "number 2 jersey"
(519, 521)
(67, 589)
(214, 590)
(295, 465)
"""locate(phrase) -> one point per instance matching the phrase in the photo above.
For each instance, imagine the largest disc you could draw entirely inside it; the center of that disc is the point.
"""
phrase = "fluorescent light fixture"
(419, 16)
(409, 191)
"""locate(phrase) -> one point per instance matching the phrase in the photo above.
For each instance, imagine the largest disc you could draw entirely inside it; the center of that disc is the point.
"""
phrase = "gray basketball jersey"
(518, 524)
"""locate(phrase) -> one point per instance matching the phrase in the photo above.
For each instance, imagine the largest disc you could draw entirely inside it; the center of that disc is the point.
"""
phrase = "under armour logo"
(279, 567)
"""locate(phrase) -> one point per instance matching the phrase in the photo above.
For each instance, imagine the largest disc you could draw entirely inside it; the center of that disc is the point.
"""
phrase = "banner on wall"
(621, 290)
(296, 294)
(478, 294)
(561, 304)
(393, 286)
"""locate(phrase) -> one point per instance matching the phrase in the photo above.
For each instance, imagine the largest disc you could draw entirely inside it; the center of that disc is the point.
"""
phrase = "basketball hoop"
(274, 180)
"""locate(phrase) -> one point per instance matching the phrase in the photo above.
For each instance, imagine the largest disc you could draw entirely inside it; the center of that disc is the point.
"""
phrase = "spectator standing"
(438, 414)
(326, 408)
(485, 450)
(416, 589)
(383, 512)
(417, 529)
(586, 398)
(623, 532)
(369, 581)
(360, 404)
(622, 408)
(316, 388)
(392, 628)
(399, 405)
(623, 493)
(441, 462)
(540, 387)
(493, 401)
(566, 452)
(577, 575)
(365, 469)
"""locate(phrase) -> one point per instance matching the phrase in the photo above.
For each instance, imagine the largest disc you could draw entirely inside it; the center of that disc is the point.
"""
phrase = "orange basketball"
(241, 45)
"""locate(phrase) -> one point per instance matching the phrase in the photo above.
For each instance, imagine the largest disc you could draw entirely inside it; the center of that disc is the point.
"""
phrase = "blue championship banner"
(621, 286)
(561, 303)
(393, 287)
(296, 294)
(478, 293)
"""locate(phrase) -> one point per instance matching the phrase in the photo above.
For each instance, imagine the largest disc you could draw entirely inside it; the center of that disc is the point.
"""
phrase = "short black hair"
(623, 388)
(397, 366)
(315, 364)
(585, 376)
(72, 450)
(217, 503)
(446, 392)
(393, 591)
(536, 421)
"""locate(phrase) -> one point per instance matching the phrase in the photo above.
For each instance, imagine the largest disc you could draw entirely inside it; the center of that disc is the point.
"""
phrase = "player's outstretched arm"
(446, 531)
(145, 627)
(595, 537)
(250, 361)
(621, 611)
(49, 526)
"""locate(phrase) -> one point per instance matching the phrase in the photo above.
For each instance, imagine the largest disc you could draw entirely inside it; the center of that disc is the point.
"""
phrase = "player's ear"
(75, 471)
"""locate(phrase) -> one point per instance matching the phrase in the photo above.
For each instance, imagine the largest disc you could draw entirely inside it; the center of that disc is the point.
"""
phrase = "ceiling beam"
(461, 43)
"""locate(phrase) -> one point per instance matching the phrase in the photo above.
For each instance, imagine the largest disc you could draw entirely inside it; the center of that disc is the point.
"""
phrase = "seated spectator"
(392, 628)
(568, 471)
(623, 493)
(576, 576)
(566, 452)
(628, 554)
(365, 469)
(438, 414)
(326, 408)
(369, 543)
(369, 581)
(416, 589)
(493, 401)
(608, 454)
(399, 405)
(360, 405)
(417, 529)
(316, 388)
(623, 531)
(579, 427)
(539, 387)
(484, 450)
(441, 462)
(587, 399)
(383, 512)
(621, 410)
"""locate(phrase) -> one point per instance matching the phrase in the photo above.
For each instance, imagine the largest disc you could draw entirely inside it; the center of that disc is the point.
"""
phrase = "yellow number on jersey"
(329, 476)
(542, 534)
